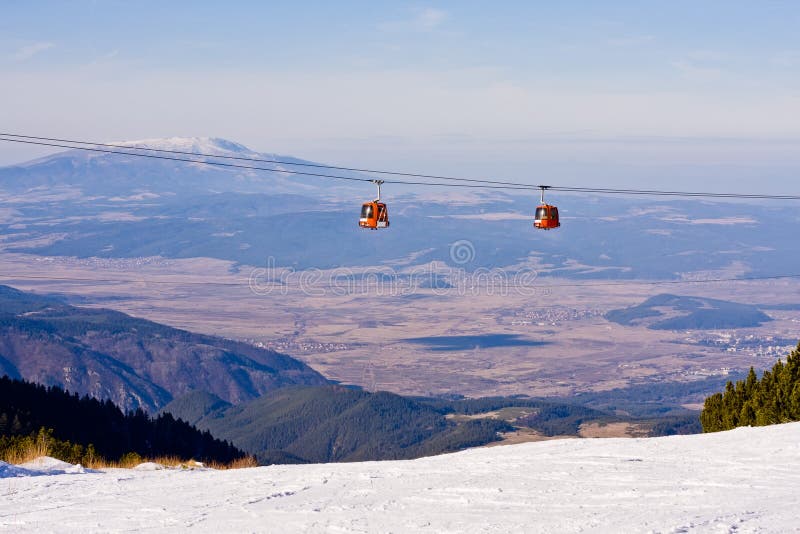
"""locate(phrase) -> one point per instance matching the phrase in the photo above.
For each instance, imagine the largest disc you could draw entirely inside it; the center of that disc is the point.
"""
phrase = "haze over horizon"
(621, 94)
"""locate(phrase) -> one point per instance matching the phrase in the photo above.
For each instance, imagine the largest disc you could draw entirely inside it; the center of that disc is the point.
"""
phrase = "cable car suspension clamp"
(379, 183)
(543, 187)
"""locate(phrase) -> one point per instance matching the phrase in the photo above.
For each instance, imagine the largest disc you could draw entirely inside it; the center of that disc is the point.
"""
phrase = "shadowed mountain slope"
(133, 362)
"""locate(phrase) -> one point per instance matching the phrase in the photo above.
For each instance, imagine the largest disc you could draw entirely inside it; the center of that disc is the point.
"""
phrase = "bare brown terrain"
(587, 430)
(524, 434)
(613, 430)
(363, 334)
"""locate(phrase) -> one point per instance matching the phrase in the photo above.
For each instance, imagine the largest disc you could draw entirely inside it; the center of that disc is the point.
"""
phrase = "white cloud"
(708, 56)
(693, 70)
(631, 40)
(28, 51)
(103, 59)
(422, 20)
(429, 18)
(788, 58)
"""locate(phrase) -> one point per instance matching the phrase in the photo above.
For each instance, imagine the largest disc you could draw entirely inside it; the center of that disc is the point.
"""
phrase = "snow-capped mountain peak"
(120, 172)
(199, 145)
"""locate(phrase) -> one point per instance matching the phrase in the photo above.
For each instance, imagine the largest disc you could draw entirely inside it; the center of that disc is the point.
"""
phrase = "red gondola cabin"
(374, 214)
(546, 216)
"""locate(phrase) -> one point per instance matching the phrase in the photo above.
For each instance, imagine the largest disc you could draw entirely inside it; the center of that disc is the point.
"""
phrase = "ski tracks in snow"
(746, 480)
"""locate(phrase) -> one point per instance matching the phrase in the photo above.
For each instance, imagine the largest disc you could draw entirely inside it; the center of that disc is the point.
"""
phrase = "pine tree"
(775, 398)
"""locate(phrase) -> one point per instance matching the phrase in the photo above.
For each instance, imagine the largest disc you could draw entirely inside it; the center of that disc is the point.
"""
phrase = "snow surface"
(746, 480)
(41, 466)
(203, 145)
(149, 466)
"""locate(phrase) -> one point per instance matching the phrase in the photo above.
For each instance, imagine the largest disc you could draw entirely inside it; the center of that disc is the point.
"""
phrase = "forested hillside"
(546, 417)
(339, 424)
(99, 427)
(334, 424)
(133, 362)
(775, 398)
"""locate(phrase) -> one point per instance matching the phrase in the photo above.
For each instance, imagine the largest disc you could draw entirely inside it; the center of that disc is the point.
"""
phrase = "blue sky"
(582, 93)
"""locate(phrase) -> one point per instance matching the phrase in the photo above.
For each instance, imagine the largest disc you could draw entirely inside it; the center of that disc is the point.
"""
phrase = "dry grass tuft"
(27, 453)
(241, 463)
(30, 449)
(129, 461)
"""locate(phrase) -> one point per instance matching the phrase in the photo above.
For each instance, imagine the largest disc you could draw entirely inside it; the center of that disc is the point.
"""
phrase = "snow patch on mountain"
(185, 146)
(745, 480)
(198, 145)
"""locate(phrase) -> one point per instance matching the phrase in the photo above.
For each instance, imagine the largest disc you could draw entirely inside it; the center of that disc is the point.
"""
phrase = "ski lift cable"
(475, 183)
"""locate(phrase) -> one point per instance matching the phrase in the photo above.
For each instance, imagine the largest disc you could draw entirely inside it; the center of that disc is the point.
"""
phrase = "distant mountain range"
(98, 174)
(102, 205)
(133, 362)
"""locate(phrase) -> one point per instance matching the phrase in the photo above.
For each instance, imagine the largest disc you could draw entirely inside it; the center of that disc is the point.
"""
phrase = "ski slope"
(746, 480)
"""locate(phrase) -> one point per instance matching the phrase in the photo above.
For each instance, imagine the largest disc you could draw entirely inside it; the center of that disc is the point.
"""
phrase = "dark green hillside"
(15, 301)
(194, 406)
(773, 399)
(654, 406)
(547, 417)
(689, 313)
(336, 424)
(82, 421)
(134, 362)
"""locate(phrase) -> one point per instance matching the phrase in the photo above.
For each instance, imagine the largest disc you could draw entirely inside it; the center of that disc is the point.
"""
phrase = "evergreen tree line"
(100, 427)
(775, 398)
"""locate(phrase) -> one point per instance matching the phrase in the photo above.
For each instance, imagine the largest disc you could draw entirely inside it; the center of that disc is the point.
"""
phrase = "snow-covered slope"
(197, 145)
(746, 480)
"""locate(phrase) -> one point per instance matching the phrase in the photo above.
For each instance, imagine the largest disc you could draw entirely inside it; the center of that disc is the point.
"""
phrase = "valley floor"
(746, 480)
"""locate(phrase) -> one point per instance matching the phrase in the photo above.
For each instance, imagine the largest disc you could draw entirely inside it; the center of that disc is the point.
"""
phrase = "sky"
(583, 93)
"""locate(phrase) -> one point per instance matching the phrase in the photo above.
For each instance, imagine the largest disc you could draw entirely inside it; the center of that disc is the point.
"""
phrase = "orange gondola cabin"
(546, 215)
(374, 214)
